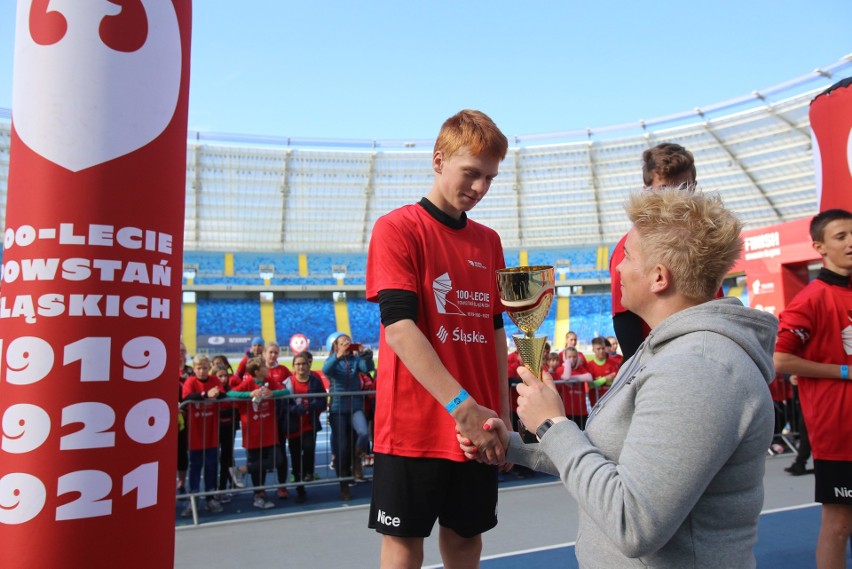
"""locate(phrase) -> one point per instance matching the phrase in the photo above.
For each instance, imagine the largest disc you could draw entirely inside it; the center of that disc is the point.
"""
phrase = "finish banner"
(90, 300)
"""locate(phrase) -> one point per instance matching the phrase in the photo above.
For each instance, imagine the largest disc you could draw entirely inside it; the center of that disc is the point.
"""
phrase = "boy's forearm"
(420, 358)
(795, 365)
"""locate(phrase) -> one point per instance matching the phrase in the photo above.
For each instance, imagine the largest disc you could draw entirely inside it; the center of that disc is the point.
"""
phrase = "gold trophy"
(526, 293)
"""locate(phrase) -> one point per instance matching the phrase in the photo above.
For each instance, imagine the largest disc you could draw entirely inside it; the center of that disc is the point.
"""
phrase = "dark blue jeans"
(208, 459)
(344, 427)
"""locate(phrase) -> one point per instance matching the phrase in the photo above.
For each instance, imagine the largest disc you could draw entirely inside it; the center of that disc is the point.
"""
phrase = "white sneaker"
(261, 502)
(225, 498)
(237, 477)
(187, 511)
(214, 506)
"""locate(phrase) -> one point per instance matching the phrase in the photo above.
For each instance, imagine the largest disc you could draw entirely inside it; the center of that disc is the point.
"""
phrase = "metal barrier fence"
(579, 397)
(255, 428)
(250, 439)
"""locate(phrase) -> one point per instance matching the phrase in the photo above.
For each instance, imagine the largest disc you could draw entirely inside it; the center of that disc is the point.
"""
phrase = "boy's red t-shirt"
(599, 370)
(202, 418)
(817, 325)
(574, 394)
(452, 272)
(260, 425)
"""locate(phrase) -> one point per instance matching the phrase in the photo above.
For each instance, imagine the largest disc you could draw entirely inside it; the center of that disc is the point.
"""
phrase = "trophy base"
(531, 350)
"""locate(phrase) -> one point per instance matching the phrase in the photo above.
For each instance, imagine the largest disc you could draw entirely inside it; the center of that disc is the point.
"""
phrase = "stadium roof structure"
(559, 189)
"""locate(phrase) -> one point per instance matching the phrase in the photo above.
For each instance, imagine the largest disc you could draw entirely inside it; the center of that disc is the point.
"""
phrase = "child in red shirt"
(602, 368)
(576, 377)
(260, 428)
(203, 426)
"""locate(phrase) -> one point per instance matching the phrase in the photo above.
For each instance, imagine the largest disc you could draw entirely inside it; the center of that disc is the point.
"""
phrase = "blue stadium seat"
(365, 321)
(312, 317)
(228, 316)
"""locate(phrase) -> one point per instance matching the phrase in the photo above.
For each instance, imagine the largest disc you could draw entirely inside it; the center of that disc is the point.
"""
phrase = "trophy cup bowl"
(526, 293)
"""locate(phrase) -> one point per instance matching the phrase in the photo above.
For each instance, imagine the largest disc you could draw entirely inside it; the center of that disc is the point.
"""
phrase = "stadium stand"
(228, 316)
(312, 317)
(306, 207)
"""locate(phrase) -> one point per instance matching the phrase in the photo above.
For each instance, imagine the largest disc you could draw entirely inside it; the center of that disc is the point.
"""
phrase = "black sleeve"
(498, 321)
(628, 330)
(396, 305)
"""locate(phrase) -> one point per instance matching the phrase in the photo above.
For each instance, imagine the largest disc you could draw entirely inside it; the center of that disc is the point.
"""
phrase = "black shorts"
(833, 484)
(409, 494)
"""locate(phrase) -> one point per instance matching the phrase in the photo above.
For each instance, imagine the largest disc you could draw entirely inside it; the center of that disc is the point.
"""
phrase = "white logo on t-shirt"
(441, 287)
(442, 334)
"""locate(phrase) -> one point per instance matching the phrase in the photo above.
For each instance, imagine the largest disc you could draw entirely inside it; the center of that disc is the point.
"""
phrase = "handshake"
(484, 437)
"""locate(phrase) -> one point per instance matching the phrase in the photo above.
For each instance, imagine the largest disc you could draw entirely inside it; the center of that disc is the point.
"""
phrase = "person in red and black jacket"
(302, 420)
(815, 343)
(666, 164)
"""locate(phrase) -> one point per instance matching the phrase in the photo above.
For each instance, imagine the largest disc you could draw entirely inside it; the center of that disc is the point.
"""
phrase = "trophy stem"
(531, 348)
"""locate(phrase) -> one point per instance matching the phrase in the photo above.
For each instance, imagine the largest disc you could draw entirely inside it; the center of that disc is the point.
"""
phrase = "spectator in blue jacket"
(343, 367)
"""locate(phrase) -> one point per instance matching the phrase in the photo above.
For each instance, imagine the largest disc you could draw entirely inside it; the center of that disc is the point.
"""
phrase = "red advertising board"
(775, 261)
(90, 301)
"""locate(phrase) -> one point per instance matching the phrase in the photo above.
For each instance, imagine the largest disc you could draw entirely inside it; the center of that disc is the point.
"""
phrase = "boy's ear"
(438, 161)
(819, 247)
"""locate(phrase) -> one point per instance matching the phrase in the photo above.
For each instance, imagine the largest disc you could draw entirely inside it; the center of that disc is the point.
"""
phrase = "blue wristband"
(844, 372)
(456, 401)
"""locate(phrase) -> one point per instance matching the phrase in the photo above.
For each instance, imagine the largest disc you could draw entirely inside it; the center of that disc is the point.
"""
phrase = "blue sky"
(397, 69)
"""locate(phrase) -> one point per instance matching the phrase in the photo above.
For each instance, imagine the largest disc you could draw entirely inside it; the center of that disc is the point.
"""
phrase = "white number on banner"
(143, 479)
(92, 486)
(25, 235)
(93, 355)
(22, 497)
(148, 421)
(28, 360)
(97, 420)
(144, 358)
(25, 428)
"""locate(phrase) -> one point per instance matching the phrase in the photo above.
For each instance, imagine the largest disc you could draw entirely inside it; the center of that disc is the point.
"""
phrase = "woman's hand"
(538, 400)
(471, 452)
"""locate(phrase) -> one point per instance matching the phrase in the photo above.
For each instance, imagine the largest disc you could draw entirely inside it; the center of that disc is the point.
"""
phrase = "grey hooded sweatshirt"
(669, 471)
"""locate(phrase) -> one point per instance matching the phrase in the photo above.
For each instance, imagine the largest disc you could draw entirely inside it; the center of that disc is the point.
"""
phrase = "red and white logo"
(299, 343)
(94, 80)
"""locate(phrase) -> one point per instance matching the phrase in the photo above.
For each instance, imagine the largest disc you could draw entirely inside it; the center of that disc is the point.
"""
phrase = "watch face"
(542, 429)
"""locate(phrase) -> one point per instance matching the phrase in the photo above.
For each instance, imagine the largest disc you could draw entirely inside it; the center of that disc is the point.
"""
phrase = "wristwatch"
(542, 429)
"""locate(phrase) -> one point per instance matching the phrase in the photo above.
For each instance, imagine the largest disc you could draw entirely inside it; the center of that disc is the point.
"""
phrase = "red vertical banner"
(831, 125)
(90, 300)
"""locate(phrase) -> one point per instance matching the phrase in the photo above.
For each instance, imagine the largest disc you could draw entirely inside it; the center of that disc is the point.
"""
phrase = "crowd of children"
(259, 399)
(215, 402)
(581, 381)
